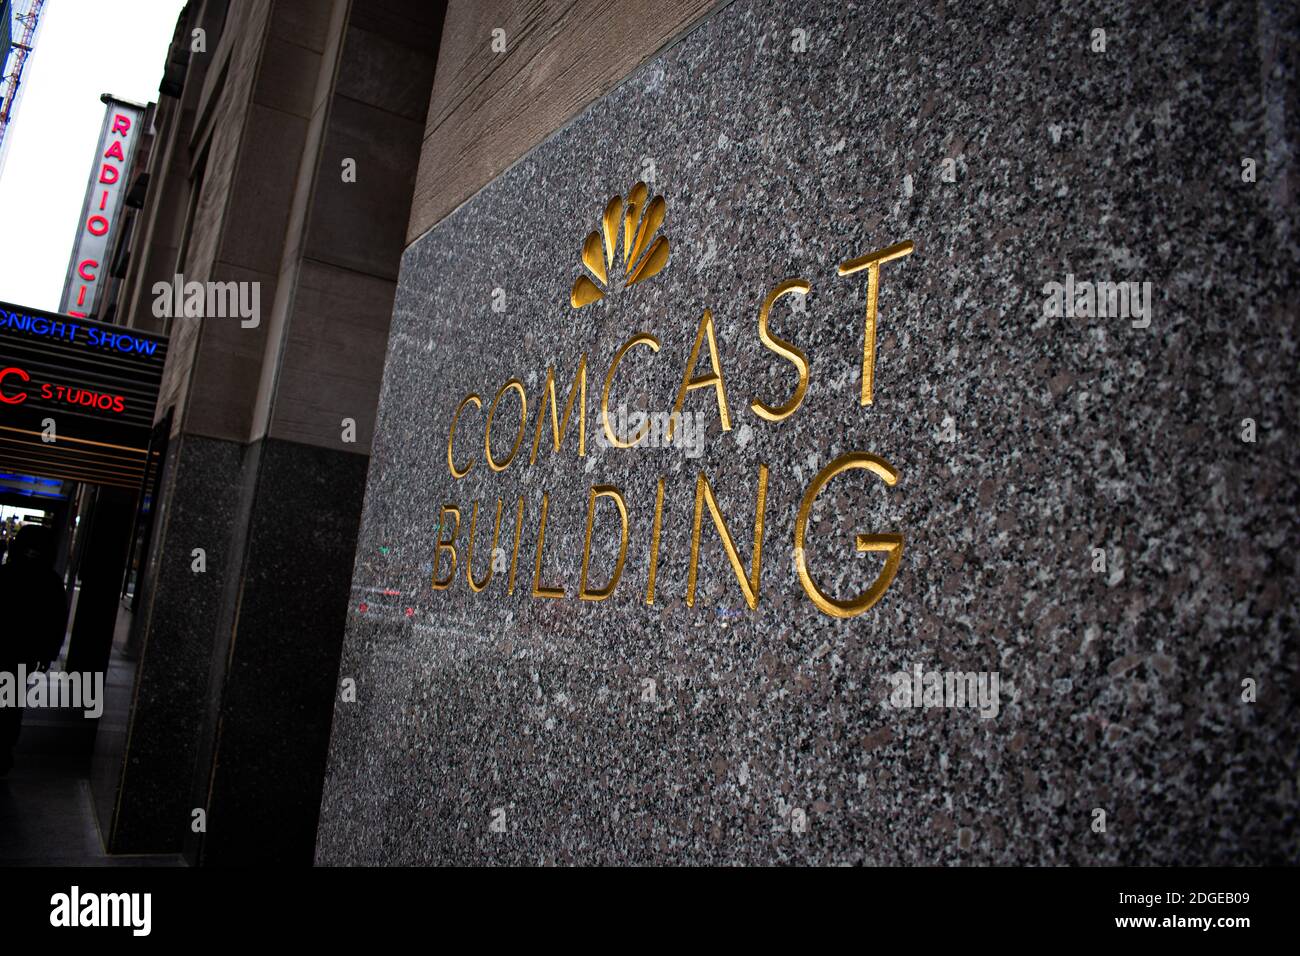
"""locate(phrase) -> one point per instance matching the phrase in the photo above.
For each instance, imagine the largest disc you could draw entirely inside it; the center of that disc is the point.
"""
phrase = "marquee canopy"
(77, 396)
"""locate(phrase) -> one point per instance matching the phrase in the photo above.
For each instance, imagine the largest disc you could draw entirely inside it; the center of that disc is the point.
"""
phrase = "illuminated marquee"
(643, 258)
(77, 396)
(91, 336)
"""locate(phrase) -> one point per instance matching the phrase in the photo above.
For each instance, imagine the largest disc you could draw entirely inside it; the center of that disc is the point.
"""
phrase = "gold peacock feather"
(640, 222)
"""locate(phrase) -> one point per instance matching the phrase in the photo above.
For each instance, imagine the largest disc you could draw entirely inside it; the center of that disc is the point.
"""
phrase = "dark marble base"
(235, 685)
(270, 745)
(199, 501)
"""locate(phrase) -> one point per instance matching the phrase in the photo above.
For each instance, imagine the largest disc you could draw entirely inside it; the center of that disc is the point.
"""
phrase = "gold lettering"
(523, 424)
(704, 494)
(579, 387)
(872, 262)
(890, 544)
(654, 544)
(599, 594)
(641, 338)
(460, 473)
(538, 590)
(476, 586)
(447, 545)
(714, 378)
(784, 349)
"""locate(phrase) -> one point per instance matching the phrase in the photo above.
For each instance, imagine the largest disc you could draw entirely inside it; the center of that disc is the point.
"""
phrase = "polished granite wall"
(265, 745)
(1014, 152)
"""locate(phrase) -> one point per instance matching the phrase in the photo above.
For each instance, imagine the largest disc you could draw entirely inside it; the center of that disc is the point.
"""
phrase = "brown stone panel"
(334, 357)
(389, 64)
(223, 382)
(287, 80)
(489, 109)
(305, 22)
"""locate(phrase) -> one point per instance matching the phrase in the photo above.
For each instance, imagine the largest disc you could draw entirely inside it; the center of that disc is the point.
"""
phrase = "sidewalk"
(47, 815)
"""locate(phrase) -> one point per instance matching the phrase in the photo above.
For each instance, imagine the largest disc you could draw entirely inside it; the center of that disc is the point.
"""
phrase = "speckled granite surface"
(502, 728)
(144, 790)
(262, 793)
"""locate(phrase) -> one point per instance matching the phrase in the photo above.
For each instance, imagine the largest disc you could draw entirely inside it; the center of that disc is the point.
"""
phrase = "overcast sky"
(84, 48)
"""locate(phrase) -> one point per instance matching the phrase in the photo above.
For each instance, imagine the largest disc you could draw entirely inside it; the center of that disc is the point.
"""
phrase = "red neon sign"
(22, 397)
(104, 401)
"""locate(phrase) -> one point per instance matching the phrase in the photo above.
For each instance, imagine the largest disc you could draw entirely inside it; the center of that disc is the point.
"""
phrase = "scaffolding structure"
(26, 18)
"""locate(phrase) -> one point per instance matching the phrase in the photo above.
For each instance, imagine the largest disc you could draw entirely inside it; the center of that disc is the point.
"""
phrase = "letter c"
(891, 544)
(451, 437)
(641, 338)
(22, 397)
(81, 269)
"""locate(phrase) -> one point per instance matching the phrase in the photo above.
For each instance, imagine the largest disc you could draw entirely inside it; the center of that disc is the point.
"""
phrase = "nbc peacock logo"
(642, 258)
